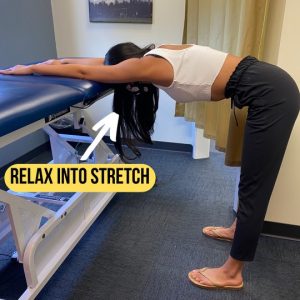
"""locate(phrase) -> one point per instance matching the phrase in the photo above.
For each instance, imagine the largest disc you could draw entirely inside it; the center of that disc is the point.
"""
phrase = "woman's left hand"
(17, 70)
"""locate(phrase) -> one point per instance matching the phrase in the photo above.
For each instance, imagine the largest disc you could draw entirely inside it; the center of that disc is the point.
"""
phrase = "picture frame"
(121, 11)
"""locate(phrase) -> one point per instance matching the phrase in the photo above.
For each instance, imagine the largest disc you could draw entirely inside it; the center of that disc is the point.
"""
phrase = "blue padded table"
(26, 99)
(27, 104)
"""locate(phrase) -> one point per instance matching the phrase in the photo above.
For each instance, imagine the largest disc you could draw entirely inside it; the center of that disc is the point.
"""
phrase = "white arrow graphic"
(109, 122)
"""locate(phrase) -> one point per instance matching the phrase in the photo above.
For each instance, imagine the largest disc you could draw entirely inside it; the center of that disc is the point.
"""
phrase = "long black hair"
(136, 103)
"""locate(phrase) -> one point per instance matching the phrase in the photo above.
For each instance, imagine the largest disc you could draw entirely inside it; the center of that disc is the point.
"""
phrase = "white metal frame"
(42, 249)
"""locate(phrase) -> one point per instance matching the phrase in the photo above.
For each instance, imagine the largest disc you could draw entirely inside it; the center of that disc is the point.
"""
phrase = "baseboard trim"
(160, 145)
(281, 230)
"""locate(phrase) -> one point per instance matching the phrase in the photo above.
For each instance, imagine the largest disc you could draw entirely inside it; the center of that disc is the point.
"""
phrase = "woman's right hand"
(17, 70)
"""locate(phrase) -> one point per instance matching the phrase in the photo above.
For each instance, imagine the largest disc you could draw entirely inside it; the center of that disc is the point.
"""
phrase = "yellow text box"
(80, 178)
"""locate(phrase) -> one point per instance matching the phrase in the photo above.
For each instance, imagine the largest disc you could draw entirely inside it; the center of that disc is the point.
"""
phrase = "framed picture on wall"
(121, 11)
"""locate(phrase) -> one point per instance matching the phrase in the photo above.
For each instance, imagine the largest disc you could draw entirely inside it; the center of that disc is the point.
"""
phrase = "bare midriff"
(218, 86)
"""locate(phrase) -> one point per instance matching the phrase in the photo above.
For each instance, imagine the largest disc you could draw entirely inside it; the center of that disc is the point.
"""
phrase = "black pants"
(273, 103)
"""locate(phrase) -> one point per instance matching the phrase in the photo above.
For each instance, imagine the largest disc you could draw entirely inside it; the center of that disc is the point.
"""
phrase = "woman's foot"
(215, 278)
(229, 276)
(220, 233)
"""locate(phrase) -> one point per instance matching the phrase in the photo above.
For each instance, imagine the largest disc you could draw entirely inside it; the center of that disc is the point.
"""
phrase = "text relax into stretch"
(80, 177)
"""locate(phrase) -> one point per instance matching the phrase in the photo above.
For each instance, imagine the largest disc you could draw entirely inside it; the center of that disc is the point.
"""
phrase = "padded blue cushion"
(26, 99)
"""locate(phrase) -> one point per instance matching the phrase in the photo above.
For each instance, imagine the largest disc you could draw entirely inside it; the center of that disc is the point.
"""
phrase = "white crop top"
(195, 69)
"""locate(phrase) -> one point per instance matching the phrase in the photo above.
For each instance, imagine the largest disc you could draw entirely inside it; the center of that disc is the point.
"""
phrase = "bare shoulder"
(148, 68)
(139, 66)
(137, 69)
(157, 70)
(150, 60)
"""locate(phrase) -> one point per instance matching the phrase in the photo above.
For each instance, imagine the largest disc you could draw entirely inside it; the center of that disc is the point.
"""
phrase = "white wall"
(76, 36)
(285, 201)
(26, 35)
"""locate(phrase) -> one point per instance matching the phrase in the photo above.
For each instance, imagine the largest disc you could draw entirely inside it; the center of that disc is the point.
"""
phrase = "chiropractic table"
(44, 237)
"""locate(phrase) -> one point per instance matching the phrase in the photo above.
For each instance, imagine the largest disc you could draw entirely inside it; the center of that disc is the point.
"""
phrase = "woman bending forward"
(196, 73)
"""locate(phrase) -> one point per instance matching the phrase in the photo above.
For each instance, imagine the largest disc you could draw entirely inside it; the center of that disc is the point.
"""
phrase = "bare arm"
(130, 70)
(126, 71)
(78, 61)
(82, 61)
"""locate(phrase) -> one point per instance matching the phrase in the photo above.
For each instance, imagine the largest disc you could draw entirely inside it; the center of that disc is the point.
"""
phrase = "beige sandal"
(213, 285)
(212, 232)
